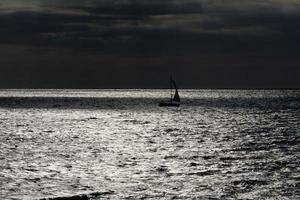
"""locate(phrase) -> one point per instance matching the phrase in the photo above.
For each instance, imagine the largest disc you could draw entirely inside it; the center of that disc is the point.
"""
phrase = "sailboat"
(174, 100)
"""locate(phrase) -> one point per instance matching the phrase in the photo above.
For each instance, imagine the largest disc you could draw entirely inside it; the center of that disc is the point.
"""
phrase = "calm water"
(118, 144)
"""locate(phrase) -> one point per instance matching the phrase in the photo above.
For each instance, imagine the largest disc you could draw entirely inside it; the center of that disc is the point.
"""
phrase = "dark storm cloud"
(139, 35)
(98, 24)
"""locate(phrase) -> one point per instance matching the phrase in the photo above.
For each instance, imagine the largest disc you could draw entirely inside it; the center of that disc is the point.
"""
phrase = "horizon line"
(184, 88)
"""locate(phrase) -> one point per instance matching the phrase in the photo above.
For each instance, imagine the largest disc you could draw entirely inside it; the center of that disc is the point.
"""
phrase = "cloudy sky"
(138, 43)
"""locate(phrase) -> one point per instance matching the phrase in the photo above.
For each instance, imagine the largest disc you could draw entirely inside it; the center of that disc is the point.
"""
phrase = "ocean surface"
(118, 144)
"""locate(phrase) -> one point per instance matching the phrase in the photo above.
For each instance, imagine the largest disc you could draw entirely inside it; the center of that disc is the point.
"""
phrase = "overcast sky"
(138, 43)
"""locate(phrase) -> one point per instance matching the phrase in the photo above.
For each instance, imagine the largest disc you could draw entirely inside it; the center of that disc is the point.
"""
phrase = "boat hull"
(166, 104)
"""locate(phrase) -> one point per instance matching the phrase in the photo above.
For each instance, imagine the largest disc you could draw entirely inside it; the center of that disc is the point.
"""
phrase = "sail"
(176, 96)
(175, 100)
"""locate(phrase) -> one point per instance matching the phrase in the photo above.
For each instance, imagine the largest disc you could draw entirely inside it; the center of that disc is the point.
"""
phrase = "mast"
(171, 86)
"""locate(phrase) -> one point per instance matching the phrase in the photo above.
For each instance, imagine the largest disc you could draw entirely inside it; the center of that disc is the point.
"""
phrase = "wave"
(81, 196)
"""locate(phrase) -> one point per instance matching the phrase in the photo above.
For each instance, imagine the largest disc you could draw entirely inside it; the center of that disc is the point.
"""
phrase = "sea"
(118, 144)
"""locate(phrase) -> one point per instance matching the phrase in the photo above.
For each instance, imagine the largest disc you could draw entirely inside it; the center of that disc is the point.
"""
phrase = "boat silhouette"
(174, 100)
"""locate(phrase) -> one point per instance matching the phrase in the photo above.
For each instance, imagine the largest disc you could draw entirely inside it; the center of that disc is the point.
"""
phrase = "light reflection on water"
(219, 144)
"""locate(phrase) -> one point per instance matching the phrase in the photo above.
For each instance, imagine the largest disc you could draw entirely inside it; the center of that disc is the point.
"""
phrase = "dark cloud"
(101, 22)
(143, 36)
